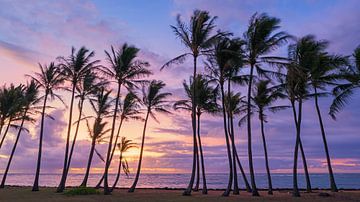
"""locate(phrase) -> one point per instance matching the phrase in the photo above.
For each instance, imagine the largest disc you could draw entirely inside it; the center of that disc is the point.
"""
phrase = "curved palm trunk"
(75, 136)
(36, 181)
(118, 173)
(251, 167)
(61, 186)
(5, 132)
(270, 191)
(296, 192)
(204, 189)
(236, 184)
(133, 186)
(107, 162)
(187, 192)
(247, 185)
(197, 184)
(91, 154)
(331, 175)
(228, 189)
(13, 151)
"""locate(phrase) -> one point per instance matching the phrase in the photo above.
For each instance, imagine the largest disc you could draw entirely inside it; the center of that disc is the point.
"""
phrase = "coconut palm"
(263, 100)
(125, 68)
(28, 100)
(198, 38)
(205, 99)
(74, 69)
(155, 101)
(123, 147)
(260, 39)
(343, 92)
(49, 79)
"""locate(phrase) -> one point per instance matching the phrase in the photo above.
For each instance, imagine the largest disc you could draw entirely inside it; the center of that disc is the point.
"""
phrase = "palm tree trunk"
(13, 150)
(5, 132)
(36, 181)
(247, 185)
(204, 189)
(331, 175)
(1, 125)
(228, 189)
(296, 192)
(132, 188)
(187, 192)
(61, 186)
(75, 136)
(236, 184)
(251, 167)
(118, 173)
(270, 192)
(306, 172)
(107, 162)
(92, 149)
(197, 184)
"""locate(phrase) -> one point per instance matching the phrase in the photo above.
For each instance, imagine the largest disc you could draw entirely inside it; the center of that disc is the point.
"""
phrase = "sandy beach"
(48, 194)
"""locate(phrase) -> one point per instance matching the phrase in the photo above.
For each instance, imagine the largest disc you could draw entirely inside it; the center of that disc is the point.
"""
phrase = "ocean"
(214, 180)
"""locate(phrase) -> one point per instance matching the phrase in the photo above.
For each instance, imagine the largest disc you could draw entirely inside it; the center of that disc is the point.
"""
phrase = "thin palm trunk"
(92, 149)
(108, 160)
(5, 132)
(236, 184)
(228, 189)
(247, 185)
(187, 192)
(306, 171)
(118, 173)
(204, 189)
(197, 184)
(251, 168)
(61, 186)
(331, 175)
(265, 154)
(133, 186)
(13, 150)
(36, 181)
(296, 192)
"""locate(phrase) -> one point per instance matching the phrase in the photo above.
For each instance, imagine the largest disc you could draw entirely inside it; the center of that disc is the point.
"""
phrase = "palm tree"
(49, 79)
(343, 92)
(260, 40)
(126, 69)
(29, 98)
(198, 38)
(263, 99)
(205, 100)
(154, 101)
(101, 105)
(123, 147)
(74, 68)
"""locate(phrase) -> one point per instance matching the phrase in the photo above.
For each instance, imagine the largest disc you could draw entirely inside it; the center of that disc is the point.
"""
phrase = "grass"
(81, 191)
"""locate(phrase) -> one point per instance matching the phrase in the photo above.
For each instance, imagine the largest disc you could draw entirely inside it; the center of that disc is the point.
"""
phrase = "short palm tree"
(124, 146)
(49, 79)
(101, 104)
(74, 69)
(198, 38)
(260, 39)
(126, 69)
(29, 99)
(155, 101)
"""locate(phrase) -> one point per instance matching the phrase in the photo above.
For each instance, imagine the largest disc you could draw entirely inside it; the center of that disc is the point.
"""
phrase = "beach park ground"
(159, 195)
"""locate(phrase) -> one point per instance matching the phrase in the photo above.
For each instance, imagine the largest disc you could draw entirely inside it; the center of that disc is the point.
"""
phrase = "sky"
(38, 32)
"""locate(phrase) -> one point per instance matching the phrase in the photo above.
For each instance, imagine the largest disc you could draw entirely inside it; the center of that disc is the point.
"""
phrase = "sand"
(159, 195)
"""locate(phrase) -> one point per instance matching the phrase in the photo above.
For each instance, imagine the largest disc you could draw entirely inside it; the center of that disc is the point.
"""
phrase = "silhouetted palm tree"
(49, 79)
(101, 104)
(29, 98)
(260, 41)
(123, 147)
(154, 101)
(74, 69)
(125, 69)
(198, 38)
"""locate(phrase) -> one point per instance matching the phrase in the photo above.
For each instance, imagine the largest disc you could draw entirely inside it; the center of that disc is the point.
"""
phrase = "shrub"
(81, 191)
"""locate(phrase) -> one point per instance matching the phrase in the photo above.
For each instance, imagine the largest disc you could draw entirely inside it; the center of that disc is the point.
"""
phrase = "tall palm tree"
(343, 91)
(205, 99)
(125, 68)
(74, 68)
(263, 99)
(49, 79)
(198, 38)
(155, 101)
(101, 104)
(260, 39)
(28, 100)
(123, 147)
